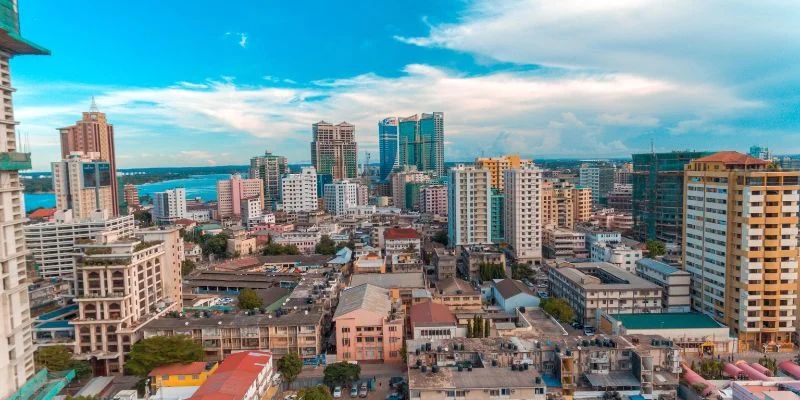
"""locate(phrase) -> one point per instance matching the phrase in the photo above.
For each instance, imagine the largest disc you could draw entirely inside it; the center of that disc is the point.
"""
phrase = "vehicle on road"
(363, 391)
(588, 331)
(577, 325)
(337, 392)
(354, 391)
(396, 381)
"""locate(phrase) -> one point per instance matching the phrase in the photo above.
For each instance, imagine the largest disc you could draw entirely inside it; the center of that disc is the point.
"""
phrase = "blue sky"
(218, 82)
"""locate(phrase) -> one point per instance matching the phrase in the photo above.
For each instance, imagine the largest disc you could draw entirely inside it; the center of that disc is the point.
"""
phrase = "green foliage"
(656, 248)
(404, 352)
(143, 217)
(162, 350)
(440, 237)
(274, 249)
(248, 299)
(290, 366)
(82, 368)
(710, 369)
(54, 358)
(558, 309)
(341, 373)
(145, 199)
(143, 245)
(319, 392)
(187, 266)
(770, 364)
(612, 395)
(38, 185)
(521, 271)
(487, 328)
(476, 327)
(326, 246)
(492, 271)
(215, 244)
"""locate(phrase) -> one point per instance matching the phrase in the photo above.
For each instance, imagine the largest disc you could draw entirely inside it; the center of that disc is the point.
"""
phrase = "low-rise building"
(306, 242)
(404, 262)
(430, 320)
(242, 376)
(473, 256)
(401, 240)
(251, 212)
(192, 252)
(371, 263)
(595, 234)
(444, 263)
(675, 282)
(240, 242)
(457, 294)
(563, 243)
(176, 375)
(610, 218)
(400, 285)
(368, 326)
(511, 294)
(618, 254)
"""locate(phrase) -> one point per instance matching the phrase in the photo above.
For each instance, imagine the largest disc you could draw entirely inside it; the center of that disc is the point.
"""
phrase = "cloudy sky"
(210, 82)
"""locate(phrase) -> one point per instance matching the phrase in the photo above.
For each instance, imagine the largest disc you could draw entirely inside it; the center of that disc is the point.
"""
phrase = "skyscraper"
(497, 167)
(269, 168)
(93, 134)
(388, 146)
(82, 184)
(16, 348)
(169, 205)
(523, 221)
(598, 176)
(417, 141)
(334, 150)
(740, 245)
(468, 203)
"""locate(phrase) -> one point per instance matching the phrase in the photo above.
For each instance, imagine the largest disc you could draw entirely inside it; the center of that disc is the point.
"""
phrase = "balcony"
(14, 161)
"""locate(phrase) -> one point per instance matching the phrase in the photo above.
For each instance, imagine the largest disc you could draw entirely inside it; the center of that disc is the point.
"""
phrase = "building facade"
(498, 166)
(269, 168)
(675, 282)
(420, 142)
(231, 192)
(620, 198)
(174, 255)
(616, 254)
(334, 150)
(522, 216)
(169, 205)
(131, 195)
(582, 204)
(400, 180)
(468, 201)
(299, 191)
(369, 327)
(83, 184)
(340, 196)
(598, 176)
(389, 146)
(497, 205)
(563, 243)
(433, 200)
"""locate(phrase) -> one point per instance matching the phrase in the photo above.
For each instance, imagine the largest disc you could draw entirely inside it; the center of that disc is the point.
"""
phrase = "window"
(392, 329)
(345, 330)
(195, 376)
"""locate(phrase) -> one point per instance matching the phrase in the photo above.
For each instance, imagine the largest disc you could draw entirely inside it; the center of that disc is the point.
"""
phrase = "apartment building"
(371, 263)
(231, 193)
(247, 375)
(174, 255)
(444, 263)
(563, 243)
(334, 150)
(401, 240)
(617, 254)
(596, 234)
(401, 285)
(269, 168)
(609, 218)
(498, 166)
(581, 203)
(369, 328)
(740, 245)
(457, 294)
(82, 183)
(433, 200)
(131, 195)
(620, 198)
(122, 288)
(589, 287)
(251, 212)
(522, 211)
(556, 204)
(299, 191)
(468, 201)
(400, 185)
(169, 206)
(298, 332)
(599, 177)
(305, 241)
(497, 204)
(52, 244)
(675, 283)
(473, 256)
(339, 196)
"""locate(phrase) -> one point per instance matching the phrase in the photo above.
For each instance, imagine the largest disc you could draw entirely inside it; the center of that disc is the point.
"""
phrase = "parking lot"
(380, 392)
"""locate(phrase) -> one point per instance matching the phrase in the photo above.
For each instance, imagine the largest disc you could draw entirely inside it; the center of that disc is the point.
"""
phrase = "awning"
(617, 379)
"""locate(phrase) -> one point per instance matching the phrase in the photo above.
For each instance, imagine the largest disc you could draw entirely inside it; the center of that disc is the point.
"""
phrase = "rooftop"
(510, 287)
(400, 233)
(365, 296)
(390, 280)
(179, 369)
(234, 376)
(667, 321)
(732, 158)
(429, 313)
(234, 320)
(452, 286)
(659, 266)
(42, 213)
(478, 378)
(602, 275)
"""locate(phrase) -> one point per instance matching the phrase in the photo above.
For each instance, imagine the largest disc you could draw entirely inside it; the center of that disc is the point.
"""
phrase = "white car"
(337, 392)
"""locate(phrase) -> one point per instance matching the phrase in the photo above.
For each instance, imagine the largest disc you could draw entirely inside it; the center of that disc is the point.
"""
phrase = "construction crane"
(365, 165)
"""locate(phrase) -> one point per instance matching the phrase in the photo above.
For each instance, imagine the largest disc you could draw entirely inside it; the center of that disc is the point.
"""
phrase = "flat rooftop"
(390, 280)
(478, 378)
(667, 321)
(237, 320)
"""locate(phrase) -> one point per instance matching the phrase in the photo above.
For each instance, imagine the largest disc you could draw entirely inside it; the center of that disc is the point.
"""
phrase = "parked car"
(354, 391)
(577, 325)
(396, 381)
(588, 331)
(337, 392)
(363, 391)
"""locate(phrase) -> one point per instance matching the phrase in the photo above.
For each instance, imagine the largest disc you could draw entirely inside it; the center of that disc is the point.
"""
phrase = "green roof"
(667, 321)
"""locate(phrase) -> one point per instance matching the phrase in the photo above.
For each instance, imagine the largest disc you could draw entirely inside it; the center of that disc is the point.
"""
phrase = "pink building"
(369, 327)
(230, 194)
(433, 200)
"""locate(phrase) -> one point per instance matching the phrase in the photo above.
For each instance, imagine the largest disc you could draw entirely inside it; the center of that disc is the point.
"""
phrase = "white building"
(340, 196)
(82, 183)
(618, 254)
(52, 244)
(599, 177)
(299, 191)
(676, 284)
(169, 205)
(468, 201)
(174, 256)
(598, 235)
(522, 210)
(251, 212)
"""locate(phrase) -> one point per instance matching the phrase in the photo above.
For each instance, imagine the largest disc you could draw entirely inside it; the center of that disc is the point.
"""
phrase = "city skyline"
(569, 101)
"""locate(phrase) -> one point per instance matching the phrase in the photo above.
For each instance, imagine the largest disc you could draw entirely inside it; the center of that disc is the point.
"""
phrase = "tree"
(440, 237)
(404, 352)
(82, 368)
(319, 392)
(156, 351)
(656, 248)
(469, 329)
(340, 373)
(248, 299)
(54, 358)
(770, 364)
(290, 366)
(143, 217)
(487, 329)
(710, 369)
(274, 249)
(492, 271)
(521, 271)
(215, 244)
(187, 266)
(325, 246)
(558, 309)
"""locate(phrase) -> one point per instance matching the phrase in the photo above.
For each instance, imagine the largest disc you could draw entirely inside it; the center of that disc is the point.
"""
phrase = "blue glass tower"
(388, 146)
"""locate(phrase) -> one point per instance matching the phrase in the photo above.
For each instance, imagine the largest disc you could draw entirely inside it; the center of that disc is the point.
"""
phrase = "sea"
(197, 186)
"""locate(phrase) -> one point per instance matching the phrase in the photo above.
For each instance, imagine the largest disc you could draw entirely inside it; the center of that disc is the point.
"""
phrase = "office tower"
(269, 168)
(497, 167)
(740, 245)
(93, 134)
(620, 197)
(322, 180)
(433, 200)
(624, 174)
(388, 146)
(421, 142)
(340, 196)
(497, 215)
(598, 176)
(334, 150)
(582, 204)
(760, 152)
(231, 192)
(122, 287)
(16, 348)
(169, 205)
(468, 202)
(131, 195)
(83, 183)
(523, 222)
(657, 199)
(174, 256)
(299, 191)
(52, 244)
(400, 179)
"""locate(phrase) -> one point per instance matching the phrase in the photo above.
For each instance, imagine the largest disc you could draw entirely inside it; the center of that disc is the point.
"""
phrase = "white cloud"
(241, 36)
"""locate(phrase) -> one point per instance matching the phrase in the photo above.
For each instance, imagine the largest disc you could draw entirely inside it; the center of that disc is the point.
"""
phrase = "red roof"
(733, 158)
(42, 213)
(179, 369)
(234, 376)
(431, 313)
(400, 233)
(185, 221)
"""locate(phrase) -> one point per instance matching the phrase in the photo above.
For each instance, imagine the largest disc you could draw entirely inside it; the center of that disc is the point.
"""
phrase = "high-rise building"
(433, 199)
(468, 202)
(420, 142)
(388, 145)
(497, 226)
(174, 256)
(131, 195)
(269, 168)
(334, 150)
(83, 184)
(497, 167)
(760, 152)
(16, 347)
(598, 176)
(565, 205)
(400, 180)
(169, 205)
(251, 212)
(621, 197)
(93, 134)
(624, 174)
(231, 192)
(740, 245)
(657, 199)
(299, 191)
(523, 221)
(581, 204)
(340, 196)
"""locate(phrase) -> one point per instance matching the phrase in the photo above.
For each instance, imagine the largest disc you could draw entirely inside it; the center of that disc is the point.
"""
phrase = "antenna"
(652, 146)
(93, 107)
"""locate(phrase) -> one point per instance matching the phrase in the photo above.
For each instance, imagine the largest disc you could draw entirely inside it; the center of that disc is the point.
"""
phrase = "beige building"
(122, 288)
(82, 183)
(241, 243)
(409, 174)
(469, 197)
(497, 167)
(444, 262)
(563, 243)
(740, 245)
(522, 217)
(565, 205)
(334, 150)
(473, 256)
(457, 294)
(131, 195)
(582, 204)
(675, 282)
(174, 255)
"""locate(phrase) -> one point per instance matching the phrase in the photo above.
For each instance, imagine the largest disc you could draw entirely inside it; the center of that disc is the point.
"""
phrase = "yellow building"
(565, 205)
(173, 375)
(740, 245)
(497, 167)
(582, 204)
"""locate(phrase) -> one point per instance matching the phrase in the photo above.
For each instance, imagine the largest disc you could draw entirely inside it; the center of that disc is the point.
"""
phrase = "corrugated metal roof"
(366, 297)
